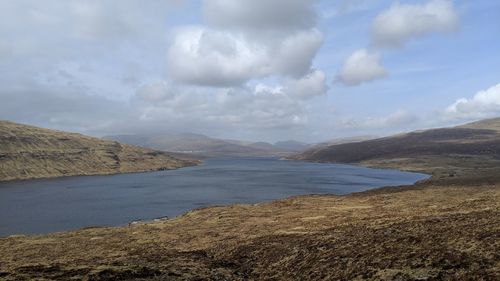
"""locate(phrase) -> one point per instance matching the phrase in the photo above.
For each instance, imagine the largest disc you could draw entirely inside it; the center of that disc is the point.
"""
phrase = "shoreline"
(194, 164)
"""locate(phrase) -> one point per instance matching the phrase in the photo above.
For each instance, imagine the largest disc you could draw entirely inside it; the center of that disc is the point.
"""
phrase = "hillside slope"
(28, 152)
(438, 151)
(488, 124)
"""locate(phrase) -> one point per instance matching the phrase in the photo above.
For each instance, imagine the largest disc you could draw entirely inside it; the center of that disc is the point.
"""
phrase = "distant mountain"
(264, 146)
(28, 152)
(292, 145)
(297, 146)
(197, 144)
(478, 142)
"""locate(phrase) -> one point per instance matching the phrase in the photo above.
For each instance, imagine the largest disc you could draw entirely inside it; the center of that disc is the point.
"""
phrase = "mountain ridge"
(29, 152)
(427, 151)
(202, 145)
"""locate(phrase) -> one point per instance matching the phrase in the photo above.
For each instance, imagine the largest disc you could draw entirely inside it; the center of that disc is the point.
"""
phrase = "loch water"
(50, 205)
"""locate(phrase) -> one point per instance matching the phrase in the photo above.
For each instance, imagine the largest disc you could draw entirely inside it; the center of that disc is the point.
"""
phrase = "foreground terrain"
(28, 152)
(430, 231)
(444, 228)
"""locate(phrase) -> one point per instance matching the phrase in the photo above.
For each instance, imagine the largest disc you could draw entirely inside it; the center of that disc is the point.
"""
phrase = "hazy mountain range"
(202, 145)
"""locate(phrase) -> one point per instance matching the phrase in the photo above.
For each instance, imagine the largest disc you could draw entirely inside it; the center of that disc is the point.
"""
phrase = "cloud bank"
(259, 15)
(206, 57)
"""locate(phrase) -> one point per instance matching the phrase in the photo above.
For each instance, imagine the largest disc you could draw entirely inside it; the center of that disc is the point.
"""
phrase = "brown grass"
(29, 152)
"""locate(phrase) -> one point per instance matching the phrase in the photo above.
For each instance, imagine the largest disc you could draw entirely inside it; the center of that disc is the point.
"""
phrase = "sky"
(261, 70)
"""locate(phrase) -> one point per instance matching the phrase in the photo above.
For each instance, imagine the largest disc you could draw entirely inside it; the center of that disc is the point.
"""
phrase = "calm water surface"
(41, 206)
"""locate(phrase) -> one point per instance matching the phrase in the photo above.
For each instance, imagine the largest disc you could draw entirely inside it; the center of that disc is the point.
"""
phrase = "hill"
(201, 145)
(343, 140)
(28, 152)
(439, 151)
(488, 124)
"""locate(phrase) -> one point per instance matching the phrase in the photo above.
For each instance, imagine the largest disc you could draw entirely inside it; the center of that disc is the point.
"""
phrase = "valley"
(443, 228)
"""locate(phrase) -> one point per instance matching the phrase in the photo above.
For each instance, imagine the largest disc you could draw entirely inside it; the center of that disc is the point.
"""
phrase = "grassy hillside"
(28, 152)
(437, 151)
(488, 124)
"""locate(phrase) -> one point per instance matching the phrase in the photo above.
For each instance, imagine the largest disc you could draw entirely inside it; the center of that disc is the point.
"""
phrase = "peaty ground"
(439, 229)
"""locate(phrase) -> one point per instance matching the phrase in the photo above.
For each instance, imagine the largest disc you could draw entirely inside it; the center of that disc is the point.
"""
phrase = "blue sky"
(426, 75)
(257, 70)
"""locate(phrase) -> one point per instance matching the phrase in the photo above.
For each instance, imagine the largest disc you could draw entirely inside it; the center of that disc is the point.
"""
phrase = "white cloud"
(206, 57)
(360, 67)
(245, 40)
(393, 28)
(309, 86)
(482, 105)
(294, 55)
(403, 22)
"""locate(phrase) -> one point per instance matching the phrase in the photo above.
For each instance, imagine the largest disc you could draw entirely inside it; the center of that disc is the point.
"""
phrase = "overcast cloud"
(261, 70)
(259, 15)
